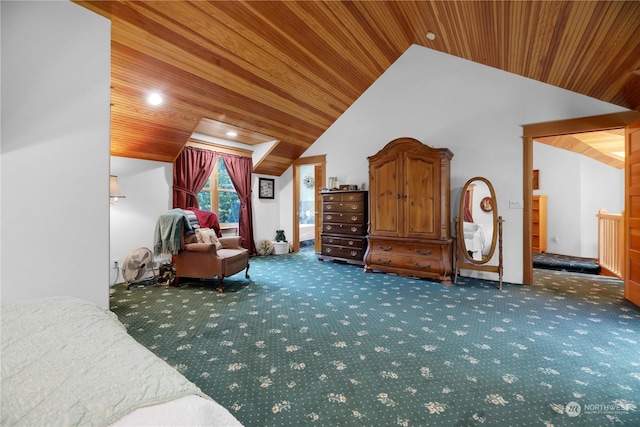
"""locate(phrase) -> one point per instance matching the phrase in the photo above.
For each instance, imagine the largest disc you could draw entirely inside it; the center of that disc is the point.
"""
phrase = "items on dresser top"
(409, 226)
(344, 226)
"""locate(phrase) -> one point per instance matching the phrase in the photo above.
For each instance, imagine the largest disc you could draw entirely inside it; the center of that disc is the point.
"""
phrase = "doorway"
(561, 127)
(577, 175)
(308, 181)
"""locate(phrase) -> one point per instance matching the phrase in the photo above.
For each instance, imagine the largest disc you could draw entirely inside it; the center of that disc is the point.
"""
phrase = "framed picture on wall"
(536, 179)
(266, 188)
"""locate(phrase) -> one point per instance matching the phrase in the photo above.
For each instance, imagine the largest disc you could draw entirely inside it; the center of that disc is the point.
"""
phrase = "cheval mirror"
(478, 229)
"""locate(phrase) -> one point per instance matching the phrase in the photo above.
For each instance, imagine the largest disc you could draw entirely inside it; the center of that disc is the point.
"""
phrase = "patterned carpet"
(324, 344)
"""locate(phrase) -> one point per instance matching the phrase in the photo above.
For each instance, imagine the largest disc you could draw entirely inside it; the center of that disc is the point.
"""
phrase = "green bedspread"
(66, 361)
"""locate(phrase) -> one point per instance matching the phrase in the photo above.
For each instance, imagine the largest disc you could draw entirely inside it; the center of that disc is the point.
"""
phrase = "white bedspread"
(474, 239)
(66, 361)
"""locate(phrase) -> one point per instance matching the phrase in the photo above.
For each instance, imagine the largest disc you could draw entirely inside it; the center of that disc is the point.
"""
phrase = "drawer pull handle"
(351, 197)
(354, 253)
(354, 218)
(328, 227)
(354, 229)
(354, 207)
(384, 261)
(327, 250)
(419, 252)
(330, 240)
(328, 207)
(386, 249)
(350, 242)
(329, 216)
(424, 267)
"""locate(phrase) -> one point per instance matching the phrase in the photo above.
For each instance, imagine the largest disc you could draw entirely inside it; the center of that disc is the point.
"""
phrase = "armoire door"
(421, 196)
(385, 196)
(632, 213)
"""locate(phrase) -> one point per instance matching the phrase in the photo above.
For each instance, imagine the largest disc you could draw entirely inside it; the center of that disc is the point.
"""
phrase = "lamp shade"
(114, 188)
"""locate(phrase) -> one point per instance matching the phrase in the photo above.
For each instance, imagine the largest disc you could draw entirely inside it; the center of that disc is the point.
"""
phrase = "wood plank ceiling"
(288, 69)
(605, 146)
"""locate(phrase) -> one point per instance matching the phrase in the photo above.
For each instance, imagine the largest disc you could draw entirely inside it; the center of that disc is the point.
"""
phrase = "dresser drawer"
(422, 251)
(356, 207)
(342, 252)
(426, 258)
(345, 218)
(331, 240)
(354, 243)
(406, 262)
(352, 230)
(343, 197)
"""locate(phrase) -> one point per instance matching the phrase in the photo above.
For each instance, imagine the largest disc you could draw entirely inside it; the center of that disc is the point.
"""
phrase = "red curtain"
(240, 169)
(191, 170)
(467, 210)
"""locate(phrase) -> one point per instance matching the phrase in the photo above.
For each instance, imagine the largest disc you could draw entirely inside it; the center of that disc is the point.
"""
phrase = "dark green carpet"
(310, 343)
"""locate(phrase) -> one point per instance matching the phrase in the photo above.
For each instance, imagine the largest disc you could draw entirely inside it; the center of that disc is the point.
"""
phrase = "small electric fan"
(138, 267)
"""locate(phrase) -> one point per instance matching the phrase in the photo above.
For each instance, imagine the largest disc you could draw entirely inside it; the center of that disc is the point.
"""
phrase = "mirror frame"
(494, 237)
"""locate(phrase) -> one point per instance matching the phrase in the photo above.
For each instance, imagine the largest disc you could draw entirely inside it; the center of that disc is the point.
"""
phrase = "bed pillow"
(208, 235)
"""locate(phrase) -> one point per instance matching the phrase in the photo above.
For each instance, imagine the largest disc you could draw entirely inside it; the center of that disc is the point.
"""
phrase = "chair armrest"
(201, 247)
(230, 241)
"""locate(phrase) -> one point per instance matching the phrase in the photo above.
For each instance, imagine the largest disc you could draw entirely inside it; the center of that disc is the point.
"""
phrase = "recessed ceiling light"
(431, 36)
(232, 134)
(154, 99)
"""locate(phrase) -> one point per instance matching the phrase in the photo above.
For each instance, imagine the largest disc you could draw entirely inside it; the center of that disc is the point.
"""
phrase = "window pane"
(204, 199)
(224, 181)
(228, 207)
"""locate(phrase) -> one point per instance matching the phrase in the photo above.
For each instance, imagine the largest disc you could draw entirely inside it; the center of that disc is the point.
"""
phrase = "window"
(219, 195)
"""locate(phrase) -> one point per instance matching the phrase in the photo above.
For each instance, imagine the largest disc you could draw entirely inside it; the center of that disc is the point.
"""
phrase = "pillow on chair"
(208, 235)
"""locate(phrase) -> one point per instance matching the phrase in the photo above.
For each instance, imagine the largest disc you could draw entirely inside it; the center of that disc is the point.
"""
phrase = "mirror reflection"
(478, 224)
(478, 229)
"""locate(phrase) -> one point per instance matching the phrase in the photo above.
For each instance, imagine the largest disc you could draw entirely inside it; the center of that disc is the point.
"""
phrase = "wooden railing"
(611, 243)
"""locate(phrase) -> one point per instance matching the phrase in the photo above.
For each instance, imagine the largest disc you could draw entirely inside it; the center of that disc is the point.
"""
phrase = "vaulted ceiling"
(286, 70)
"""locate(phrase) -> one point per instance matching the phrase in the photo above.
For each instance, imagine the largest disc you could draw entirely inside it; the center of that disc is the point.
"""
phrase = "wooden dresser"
(409, 207)
(539, 223)
(344, 226)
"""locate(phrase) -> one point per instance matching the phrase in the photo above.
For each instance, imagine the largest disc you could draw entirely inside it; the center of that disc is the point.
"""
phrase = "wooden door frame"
(558, 127)
(319, 160)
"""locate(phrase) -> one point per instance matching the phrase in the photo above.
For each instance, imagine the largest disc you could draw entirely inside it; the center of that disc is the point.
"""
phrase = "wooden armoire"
(409, 211)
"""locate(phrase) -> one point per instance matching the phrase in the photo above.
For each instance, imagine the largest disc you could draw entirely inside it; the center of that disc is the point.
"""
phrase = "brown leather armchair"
(203, 260)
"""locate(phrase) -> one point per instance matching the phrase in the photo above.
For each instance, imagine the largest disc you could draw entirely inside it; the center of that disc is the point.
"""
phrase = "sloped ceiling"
(286, 70)
(605, 146)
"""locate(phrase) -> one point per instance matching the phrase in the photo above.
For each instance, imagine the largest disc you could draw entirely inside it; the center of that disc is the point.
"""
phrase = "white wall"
(148, 187)
(270, 215)
(474, 110)
(55, 151)
(577, 187)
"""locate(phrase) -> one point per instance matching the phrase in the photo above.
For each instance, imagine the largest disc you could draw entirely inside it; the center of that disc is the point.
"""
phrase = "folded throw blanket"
(168, 232)
(207, 219)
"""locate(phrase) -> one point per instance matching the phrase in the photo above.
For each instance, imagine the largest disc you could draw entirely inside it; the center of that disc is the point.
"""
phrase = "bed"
(66, 361)
(307, 232)
(476, 241)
